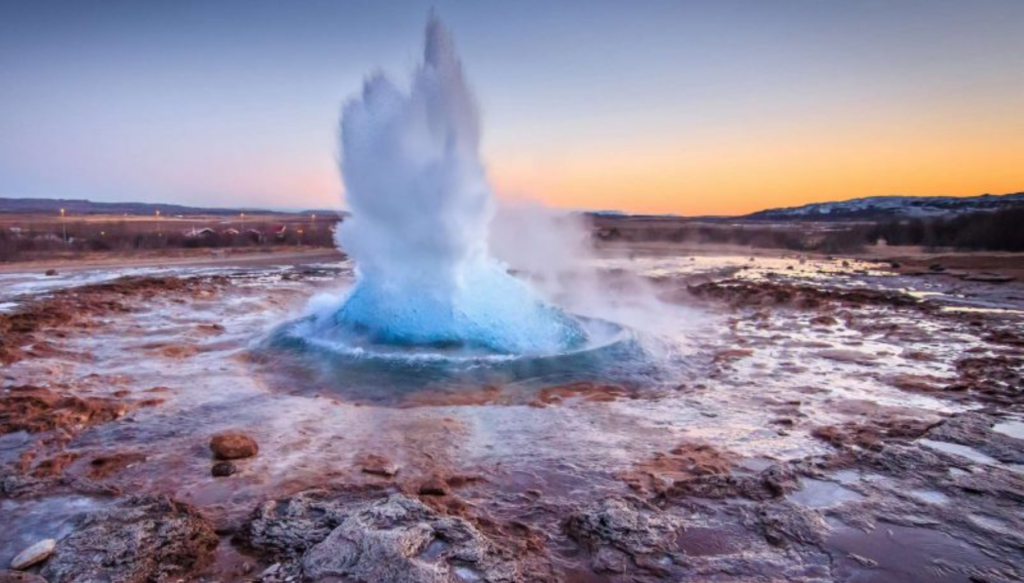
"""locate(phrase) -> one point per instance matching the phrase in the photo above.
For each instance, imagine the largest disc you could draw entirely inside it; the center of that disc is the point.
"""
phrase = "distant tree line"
(984, 231)
(1001, 230)
(39, 241)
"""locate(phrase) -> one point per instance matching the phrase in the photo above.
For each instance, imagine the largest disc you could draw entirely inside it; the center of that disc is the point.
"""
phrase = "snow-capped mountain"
(880, 207)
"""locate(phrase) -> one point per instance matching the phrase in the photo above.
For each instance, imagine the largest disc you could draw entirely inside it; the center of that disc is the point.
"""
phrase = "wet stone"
(399, 539)
(625, 534)
(288, 527)
(332, 536)
(34, 554)
(223, 469)
(785, 523)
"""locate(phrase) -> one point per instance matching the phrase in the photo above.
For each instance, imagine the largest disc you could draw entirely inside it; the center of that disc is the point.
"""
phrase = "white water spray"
(421, 206)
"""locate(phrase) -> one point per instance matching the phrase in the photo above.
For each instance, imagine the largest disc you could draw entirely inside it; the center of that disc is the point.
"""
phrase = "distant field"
(35, 236)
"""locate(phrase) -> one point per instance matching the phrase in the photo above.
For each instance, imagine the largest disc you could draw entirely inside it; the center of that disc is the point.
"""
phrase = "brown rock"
(688, 460)
(584, 390)
(36, 409)
(454, 397)
(434, 486)
(53, 466)
(79, 306)
(106, 465)
(378, 466)
(232, 446)
(178, 350)
(824, 320)
(732, 354)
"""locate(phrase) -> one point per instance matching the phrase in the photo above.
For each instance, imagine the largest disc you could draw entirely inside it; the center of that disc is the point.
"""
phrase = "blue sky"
(690, 107)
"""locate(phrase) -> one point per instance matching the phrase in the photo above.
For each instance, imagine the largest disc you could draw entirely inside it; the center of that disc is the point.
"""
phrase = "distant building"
(204, 232)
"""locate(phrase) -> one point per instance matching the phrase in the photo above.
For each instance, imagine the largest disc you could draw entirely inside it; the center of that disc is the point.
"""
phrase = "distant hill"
(88, 207)
(883, 207)
(859, 209)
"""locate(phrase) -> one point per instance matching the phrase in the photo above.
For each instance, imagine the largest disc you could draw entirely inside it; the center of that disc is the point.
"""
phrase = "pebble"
(36, 553)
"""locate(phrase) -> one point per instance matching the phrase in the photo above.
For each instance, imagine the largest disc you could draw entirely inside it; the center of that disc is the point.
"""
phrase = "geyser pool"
(421, 205)
(370, 372)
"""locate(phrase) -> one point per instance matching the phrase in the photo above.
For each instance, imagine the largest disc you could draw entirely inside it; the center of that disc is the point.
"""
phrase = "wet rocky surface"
(808, 421)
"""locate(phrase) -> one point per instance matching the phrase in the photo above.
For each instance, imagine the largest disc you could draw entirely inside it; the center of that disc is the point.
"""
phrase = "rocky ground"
(810, 420)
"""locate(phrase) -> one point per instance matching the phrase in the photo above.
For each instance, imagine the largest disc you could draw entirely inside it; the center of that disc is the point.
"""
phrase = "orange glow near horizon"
(760, 172)
(732, 170)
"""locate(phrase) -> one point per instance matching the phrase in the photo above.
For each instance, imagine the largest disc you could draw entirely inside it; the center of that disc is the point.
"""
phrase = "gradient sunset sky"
(716, 107)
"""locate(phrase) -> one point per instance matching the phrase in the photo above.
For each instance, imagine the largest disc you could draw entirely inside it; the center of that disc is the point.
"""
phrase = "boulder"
(373, 534)
(626, 535)
(287, 527)
(785, 523)
(400, 540)
(144, 538)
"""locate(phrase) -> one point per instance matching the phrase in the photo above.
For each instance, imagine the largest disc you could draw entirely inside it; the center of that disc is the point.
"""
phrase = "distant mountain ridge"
(88, 207)
(882, 207)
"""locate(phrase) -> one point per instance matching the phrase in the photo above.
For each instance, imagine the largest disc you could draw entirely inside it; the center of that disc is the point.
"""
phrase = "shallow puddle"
(822, 494)
(960, 450)
(1014, 429)
(900, 554)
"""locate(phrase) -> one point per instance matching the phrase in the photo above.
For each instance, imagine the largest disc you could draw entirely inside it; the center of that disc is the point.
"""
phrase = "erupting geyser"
(421, 205)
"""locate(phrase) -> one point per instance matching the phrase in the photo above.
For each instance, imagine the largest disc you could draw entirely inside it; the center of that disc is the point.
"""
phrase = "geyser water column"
(421, 205)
